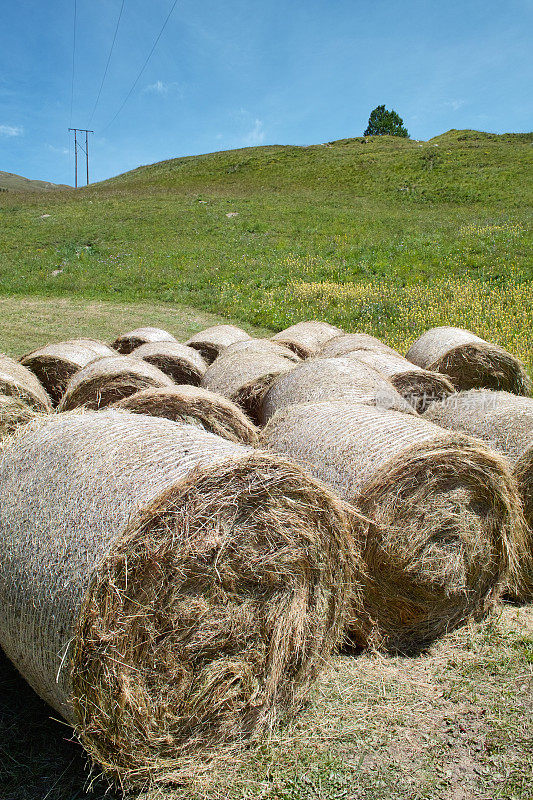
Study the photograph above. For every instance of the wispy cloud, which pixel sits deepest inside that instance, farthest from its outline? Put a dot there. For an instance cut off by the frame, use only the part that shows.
(255, 136)
(11, 130)
(455, 105)
(163, 88)
(63, 151)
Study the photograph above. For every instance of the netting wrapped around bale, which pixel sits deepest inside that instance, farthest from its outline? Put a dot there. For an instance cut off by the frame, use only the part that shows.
(505, 422)
(245, 371)
(306, 338)
(13, 412)
(166, 591)
(181, 363)
(109, 379)
(446, 514)
(469, 362)
(418, 386)
(55, 364)
(127, 342)
(348, 342)
(320, 379)
(195, 405)
(18, 381)
(211, 342)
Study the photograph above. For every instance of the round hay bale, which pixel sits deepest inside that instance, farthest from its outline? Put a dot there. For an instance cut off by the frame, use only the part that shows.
(211, 342)
(469, 362)
(320, 379)
(195, 405)
(306, 338)
(18, 381)
(13, 412)
(246, 370)
(348, 342)
(98, 347)
(166, 591)
(445, 510)
(106, 380)
(418, 386)
(505, 422)
(55, 364)
(181, 363)
(127, 342)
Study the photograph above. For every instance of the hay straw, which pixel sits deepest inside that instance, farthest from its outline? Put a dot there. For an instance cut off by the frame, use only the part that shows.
(211, 342)
(307, 338)
(18, 381)
(166, 591)
(321, 379)
(55, 364)
(13, 412)
(469, 362)
(418, 386)
(106, 380)
(197, 406)
(342, 345)
(445, 509)
(505, 422)
(181, 363)
(98, 347)
(127, 342)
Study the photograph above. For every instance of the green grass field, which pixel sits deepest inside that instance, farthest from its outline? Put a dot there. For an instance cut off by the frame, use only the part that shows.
(388, 236)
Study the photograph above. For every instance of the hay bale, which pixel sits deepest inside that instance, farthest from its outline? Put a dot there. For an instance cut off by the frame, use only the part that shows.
(127, 342)
(348, 342)
(320, 379)
(445, 509)
(505, 422)
(469, 362)
(245, 371)
(18, 381)
(13, 412)
(166, 591)
(211, 342)
(106, 380)
(55, 364)
(98, 347)
(181, 363)
(418, 386)
(197, 406)
(307, 338)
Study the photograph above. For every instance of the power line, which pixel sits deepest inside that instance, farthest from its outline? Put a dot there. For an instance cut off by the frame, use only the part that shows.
(73, 60)
(136, 81)
(108, 60)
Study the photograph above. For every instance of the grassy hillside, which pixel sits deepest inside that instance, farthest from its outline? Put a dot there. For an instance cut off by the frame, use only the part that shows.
(382, 234)
(16, 183)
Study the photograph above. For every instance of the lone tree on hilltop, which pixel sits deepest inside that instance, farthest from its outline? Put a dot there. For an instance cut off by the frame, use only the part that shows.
(383, 122)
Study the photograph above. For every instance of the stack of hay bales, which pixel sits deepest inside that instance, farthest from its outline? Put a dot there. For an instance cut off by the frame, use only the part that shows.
(181, 363)
(320, 379)
(505, 422)
(166, 591)
(195, 405)
(127, 342)
(108, 379)
(211, 342)
(245, 370)
(447, 518)
(307, 338)
(469, 362)
(18, 381)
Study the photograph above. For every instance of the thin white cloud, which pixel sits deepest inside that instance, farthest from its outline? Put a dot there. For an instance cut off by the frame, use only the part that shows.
(455, 105)
(255, 136)
(162, 88)
(61, 150)
(11, 130)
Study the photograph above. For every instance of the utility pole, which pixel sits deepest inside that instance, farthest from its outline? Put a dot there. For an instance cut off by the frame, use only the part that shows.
(86, 151)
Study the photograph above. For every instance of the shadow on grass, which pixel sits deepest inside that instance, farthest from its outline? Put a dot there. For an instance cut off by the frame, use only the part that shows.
(39, 758)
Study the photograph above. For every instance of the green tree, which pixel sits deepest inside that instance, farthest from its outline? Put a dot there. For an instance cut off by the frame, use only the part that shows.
(383, 122)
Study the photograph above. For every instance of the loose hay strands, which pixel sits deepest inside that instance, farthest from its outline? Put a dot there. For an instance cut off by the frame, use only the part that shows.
(181, 363)
(306, 338)
(342, 345)
(418, 386)
(166, 591)
(197, 406)
(13, 412)
(18, 381)
(127, 342)
(108, 379)
(245, 371)
(55, 364)
(445, 508)
(211, 342)
(505, 422)
(321, 379)
(469, 362)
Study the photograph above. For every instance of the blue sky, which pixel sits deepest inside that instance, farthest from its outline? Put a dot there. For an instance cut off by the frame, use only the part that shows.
(248, 72)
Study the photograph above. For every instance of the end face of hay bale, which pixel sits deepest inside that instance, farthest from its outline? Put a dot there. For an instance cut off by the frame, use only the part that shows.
(212, 341)
(13, 413)
(55, 364)
(350, 342)
(127, 342)
(17, 380)
(183, 364)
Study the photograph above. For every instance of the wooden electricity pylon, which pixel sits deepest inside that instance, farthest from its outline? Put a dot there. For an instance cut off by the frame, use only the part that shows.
(86, 151)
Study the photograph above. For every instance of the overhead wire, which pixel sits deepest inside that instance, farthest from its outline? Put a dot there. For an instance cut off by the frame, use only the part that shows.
(108, 61)
(136, 81)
